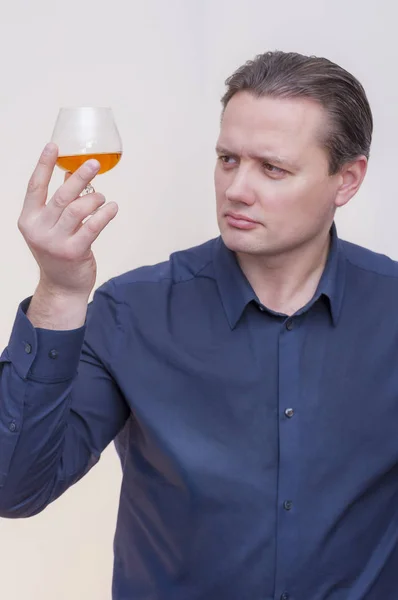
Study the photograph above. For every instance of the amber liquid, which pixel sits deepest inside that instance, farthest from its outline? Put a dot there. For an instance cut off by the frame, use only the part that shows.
(106, 160)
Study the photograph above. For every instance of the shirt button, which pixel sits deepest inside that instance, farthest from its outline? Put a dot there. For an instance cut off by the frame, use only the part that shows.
(289, 412)
(289, 324)
(12, 427)
(28, 348)
(288, 505)
(261, 307)
(285, 596)
(53, 354)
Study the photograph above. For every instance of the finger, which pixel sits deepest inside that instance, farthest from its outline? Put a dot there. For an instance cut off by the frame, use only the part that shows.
(67, 175)
(91, 229)
(69, 191)
(78, 210)
(36, 194)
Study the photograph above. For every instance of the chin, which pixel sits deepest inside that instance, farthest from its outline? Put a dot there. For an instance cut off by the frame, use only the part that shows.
(243, 242)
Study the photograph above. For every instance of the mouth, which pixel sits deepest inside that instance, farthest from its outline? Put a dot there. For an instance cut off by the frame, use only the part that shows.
(238, 221)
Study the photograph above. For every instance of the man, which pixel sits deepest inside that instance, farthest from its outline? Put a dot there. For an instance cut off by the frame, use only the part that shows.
(251, 383)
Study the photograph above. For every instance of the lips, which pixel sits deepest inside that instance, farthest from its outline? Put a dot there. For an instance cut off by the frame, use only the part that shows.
(238, 221)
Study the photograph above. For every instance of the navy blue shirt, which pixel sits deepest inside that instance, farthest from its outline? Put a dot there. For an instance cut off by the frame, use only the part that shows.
(259, 452)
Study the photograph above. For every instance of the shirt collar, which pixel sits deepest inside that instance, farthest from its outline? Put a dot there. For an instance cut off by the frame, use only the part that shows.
(236, 292)
(332, 282)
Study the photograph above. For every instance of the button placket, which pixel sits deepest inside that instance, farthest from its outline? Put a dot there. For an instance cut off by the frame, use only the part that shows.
(289, 324)
(290, 351)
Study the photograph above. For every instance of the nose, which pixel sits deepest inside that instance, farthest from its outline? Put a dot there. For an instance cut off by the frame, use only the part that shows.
(240, 190)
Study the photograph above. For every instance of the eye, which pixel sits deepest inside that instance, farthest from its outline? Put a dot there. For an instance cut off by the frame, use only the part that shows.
(226, 160)
(272, 170)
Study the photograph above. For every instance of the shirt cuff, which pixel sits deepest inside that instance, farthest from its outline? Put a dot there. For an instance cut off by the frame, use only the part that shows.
(43, 354)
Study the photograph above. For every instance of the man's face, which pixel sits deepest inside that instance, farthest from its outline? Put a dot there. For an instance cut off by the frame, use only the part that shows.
(272, 169)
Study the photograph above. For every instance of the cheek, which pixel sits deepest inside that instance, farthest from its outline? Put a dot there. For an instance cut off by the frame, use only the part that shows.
(221, 184)
(317, 194)
(304, 195)
(277, 196)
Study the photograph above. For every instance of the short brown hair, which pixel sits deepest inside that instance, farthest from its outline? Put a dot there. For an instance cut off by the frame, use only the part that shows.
(289, 75)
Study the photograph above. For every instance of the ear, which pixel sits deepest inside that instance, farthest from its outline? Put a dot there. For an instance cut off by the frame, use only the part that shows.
(351, 176)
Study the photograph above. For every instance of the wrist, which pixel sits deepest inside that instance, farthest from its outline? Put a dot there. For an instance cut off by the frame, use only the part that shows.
(56, 309)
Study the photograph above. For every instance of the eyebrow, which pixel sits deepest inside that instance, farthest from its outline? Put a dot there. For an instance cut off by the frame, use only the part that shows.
(266, 157)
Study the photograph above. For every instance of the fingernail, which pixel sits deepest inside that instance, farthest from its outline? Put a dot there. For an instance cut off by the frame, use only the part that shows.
(93, 164)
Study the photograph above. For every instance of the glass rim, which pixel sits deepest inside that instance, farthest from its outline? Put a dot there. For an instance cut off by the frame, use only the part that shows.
(85, 108)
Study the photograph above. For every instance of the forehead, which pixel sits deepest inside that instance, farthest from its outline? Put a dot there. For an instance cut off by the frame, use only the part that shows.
(289, 126)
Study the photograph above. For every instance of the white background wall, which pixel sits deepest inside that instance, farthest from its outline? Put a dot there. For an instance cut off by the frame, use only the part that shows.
(161, 66)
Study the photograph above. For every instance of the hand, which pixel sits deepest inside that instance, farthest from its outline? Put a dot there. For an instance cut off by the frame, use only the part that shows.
(55, 232)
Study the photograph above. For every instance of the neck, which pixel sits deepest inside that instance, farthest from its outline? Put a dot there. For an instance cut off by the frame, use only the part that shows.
(285, 283)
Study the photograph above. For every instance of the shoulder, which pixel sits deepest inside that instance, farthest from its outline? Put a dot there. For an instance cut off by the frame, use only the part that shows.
(181, 266)
(369, 261)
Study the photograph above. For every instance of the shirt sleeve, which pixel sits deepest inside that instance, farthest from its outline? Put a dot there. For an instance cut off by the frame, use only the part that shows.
(60, 405)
